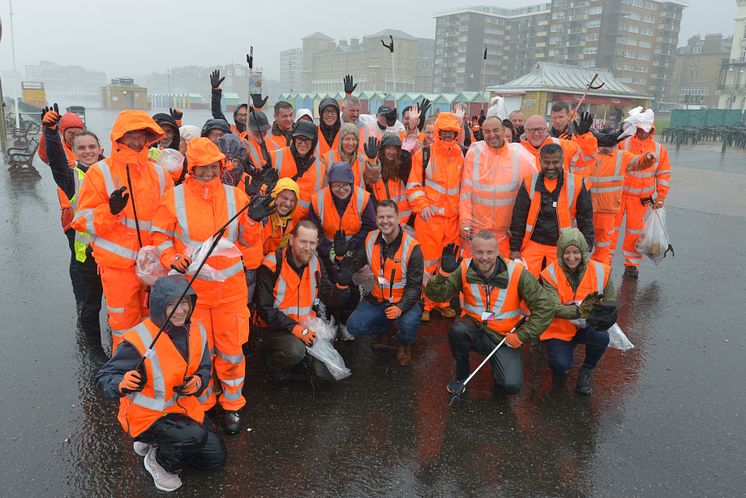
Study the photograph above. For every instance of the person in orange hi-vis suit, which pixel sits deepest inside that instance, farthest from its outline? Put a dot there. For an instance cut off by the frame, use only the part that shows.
(607, 181)
(188, 216)
(648, 186)
(493, 172)
(433, 192)
(116, 204)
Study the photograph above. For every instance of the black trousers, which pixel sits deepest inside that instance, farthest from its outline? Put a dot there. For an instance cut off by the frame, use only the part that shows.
(184, 443)
(465, 336)
(88, 292)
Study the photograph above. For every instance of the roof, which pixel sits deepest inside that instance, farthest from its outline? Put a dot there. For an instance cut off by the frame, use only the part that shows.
(318, 36)
(401, 35)
(566, 79)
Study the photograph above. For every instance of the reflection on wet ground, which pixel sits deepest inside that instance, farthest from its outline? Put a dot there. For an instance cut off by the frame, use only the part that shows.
(665, 418)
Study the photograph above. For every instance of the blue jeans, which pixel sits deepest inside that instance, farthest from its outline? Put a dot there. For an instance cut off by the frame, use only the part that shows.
(560, 353)
(370, 319)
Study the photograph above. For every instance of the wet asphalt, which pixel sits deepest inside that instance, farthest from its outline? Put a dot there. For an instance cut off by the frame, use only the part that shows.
(665, 419)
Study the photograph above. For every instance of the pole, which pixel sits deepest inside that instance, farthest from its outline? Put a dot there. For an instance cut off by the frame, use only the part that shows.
(3, 135)
(15, 74)
(484, 71)
(393, 77)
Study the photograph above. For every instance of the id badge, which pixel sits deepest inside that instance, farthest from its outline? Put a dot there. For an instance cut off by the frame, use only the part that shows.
(487, 316)
(316, 301)
(382, 281)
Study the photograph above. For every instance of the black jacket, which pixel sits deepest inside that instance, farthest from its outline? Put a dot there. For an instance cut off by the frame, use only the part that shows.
(329, 293)
(217, 113)
(546, 228)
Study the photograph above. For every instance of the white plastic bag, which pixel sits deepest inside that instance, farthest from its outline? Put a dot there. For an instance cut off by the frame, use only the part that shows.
(171, 160)
(654, 241)
(198, 253)
(322, 348)
(148, 267)
(364, 278)
(618, 340)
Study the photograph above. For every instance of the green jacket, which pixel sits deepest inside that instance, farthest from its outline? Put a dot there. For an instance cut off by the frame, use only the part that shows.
(573, 237)
(441, 288)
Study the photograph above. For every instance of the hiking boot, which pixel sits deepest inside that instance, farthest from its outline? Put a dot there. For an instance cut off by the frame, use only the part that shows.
(404, 355)
(380, 342)
(447, 312)
(455, 385)
(425, 316)
(165, 481)
(98, 357)
(631, 271)
(232, 422)
(141, 449)
(585, 381)
(344, 334)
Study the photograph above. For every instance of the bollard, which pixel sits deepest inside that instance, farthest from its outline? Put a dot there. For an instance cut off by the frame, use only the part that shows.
(3, 133)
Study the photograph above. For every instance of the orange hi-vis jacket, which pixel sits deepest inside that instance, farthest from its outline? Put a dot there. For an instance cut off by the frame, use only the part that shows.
(607, 179)
(594, 279)
(278, 141)
(489, 183)
(389, 275)
(503, 305)
(295, 296)
(393, 189)
(323, 147)
(309, 183)
(438, 185)
(570, 152)
(351, 219)
(655, 179)
(566, 203)
(275, 235)
(357, 165)
(255, 150)
(164, 370)
(587, 152)
(114, 238)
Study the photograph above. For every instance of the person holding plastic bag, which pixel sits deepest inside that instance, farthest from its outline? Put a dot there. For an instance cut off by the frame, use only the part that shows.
(290, 284)
(190, 215)
(654, 241)
(575, 285)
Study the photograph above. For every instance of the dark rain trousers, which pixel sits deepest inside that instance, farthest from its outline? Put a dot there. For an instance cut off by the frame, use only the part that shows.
(88, 292)
(560, 353)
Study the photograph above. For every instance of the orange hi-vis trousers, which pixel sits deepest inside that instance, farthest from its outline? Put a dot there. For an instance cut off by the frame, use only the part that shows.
(605, 229)
(126, 299)
(634, 210)
(433, 236)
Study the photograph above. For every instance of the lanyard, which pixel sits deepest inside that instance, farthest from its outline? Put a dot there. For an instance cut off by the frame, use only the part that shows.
(488, 294)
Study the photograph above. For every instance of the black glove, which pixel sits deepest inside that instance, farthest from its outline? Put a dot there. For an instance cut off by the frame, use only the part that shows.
(349, 86)
(252, 187)
(270, 178)
(424, 107)
(344, 274)
(340, 243)
(603, 315)
(391, 117)
(250, 58)
(519, 130)
(583, 125)
(176, 114)
(215, 79)
(260, 207)
(50, 116)
(371, 148)
(256, 100)
(450, 259)
(118, 200)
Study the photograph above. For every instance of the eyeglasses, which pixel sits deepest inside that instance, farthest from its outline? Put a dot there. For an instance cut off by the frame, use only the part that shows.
(340, 186)
(536, 130)
(303, 140)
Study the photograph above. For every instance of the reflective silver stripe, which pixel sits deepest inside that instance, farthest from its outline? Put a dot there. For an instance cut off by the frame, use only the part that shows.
(167, 233)
(158, 402)
(599, 276)
(415, 195)
(118, 333)
(87, 215)
(231, 396)
(161, 179)
(532, 188)
(278, 159)
(130, 223)
(407, 242)
(320, 205)
(437, 188)
(110, 309)
(638, 191)
(205, 396)
(113, 248)
(360, 200)
(103, 166)
(181, 215)
(506, 187)
(370, 244)
(232, 382)
(663, 182)
(431, 262)
(234, 359)
(570, 192)
(230, 271)
(603, 244)
(405, 214)
(475, 174)
(203, 335)
(553, 274)
(230, 199)
(313, 268)
(490, 202)
(642, 173)
(628, 144)
(477, 310)
(606, 189)
(304, 203)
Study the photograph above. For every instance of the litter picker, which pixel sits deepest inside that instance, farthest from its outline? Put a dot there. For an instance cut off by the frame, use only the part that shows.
(390, 46)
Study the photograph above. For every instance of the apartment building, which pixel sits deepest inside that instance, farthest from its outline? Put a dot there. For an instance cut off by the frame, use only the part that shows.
(698, 68)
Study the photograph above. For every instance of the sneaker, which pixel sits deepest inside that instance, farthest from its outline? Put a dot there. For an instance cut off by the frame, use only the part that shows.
(456, 386)
(404, 355)
(585, 381)
(631, 271)
(447, 312)
(344, 334)
(141, 449)
(232, 422)
(165, 481)
(425, 316)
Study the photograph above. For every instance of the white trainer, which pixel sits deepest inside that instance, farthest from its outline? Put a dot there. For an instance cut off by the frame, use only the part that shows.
(141, 448)
(165, 481)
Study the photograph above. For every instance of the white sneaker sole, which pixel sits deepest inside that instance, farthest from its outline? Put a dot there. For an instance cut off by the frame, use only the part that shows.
(140, 452)
(150, 471)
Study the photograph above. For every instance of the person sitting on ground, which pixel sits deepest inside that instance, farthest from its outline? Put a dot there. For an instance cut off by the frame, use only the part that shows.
(158, 404)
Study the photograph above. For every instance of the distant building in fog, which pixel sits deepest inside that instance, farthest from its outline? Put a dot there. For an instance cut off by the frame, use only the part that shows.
(70, 84)
(291, 65)
(122, 93)
(697, 69)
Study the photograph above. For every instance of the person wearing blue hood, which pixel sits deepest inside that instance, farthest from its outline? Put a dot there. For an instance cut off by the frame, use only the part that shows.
(158, 404)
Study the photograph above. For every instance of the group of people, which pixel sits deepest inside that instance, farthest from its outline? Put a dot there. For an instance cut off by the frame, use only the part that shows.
(378, 221)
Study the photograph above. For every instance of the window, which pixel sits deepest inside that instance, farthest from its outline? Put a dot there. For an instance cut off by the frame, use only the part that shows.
(697, 49)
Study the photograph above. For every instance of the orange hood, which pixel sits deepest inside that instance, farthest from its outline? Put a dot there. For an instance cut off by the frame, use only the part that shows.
(201, 152)
(446, 121)
(136, 120)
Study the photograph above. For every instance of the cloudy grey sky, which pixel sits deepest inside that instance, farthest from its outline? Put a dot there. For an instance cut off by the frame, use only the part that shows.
(138, 36)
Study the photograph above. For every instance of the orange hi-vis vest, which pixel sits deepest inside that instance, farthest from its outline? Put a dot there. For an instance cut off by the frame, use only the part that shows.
(295, 296)
(275, 235)
(393, 189)
(165, 369)
(653, 179)
(255, 151)
(594, 279)
(389, 275)
(587, 152)
(607, 181)
(309, 183)
(566, 203)
(351, 219)
(323, 147)
(570, 152)
(358, 166)
(502, 305)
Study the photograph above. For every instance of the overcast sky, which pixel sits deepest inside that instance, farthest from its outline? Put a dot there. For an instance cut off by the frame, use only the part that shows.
(139, 37)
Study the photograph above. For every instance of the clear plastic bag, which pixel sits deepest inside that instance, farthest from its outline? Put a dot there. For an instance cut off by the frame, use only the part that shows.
(322, 348)
(148, 267)
(618, 340)
(171, 160)
(364, 278)
(198, 252)
(654, 241)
